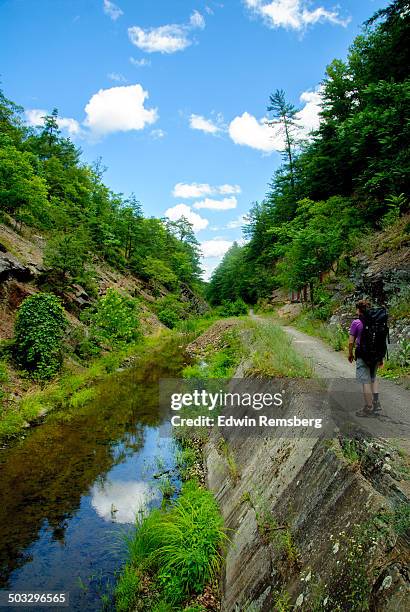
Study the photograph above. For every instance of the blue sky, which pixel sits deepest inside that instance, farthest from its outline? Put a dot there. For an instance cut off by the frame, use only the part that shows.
(172, 94)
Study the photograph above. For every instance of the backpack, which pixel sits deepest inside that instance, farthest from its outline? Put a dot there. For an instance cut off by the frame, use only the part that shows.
(373, 342)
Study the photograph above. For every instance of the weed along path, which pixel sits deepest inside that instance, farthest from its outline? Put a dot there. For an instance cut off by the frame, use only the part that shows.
(75, 484)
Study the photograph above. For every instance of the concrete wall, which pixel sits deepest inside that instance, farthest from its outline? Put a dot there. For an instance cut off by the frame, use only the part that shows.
(291, 506)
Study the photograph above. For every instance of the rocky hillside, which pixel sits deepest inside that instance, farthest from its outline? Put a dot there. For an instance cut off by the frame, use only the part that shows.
(22, 273)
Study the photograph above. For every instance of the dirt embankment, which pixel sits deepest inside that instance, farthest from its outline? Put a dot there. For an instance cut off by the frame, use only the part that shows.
(213, 338)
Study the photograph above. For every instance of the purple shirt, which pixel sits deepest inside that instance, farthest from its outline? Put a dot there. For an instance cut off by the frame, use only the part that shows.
(356, 330)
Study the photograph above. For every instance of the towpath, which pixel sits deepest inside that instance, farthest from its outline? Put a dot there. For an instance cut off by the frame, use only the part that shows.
(392, 422)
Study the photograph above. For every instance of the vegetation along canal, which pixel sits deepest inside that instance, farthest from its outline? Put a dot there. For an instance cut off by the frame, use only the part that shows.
(75, 484)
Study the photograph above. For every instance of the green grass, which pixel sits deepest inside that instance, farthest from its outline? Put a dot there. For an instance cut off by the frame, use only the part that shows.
(4, 379)
(400, 519)
(127, 589)
(186, 458)
(282, 602)
(196, 325)
(351, 451)
(220, 363)
(82, 397)
(179, 548)
(271, 353)
(166, 487)
(230, 460)
(334, 335)
(399, 304)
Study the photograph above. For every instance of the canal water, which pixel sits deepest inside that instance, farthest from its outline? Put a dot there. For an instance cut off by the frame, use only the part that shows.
(70, 491)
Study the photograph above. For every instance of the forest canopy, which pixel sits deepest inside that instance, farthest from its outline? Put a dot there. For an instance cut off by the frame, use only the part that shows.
(349, 177)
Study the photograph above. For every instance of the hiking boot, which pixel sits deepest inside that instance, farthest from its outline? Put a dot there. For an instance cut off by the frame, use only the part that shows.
(376, 406)
(366, 412)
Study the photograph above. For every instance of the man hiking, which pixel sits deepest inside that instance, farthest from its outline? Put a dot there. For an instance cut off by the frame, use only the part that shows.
(368, 334)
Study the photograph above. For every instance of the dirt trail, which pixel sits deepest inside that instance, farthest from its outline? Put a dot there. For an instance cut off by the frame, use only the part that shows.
(392, 422)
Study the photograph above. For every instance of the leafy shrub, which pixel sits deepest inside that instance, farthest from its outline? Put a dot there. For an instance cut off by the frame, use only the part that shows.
(114, 321)
(399, 304)
(3, 379)
(401, 356)
(82, 344)
(39, 330)
(233, 309)
(395, 204)
(170, 310)
(323, 304)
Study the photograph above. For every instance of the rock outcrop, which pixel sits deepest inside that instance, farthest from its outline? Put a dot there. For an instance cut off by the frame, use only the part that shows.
(10, 267)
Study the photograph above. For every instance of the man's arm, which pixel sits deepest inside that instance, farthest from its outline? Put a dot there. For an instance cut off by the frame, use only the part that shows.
(352, 342)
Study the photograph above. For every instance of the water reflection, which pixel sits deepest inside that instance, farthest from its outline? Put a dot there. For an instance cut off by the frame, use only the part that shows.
(120, 502)
(65, 487)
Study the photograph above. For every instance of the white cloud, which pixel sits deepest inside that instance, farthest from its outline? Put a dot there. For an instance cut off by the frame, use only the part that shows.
(157, 134)
(117, 77)
(309, 115)
(192, 190)
(167, 38)
(140, 63)
(229, 189)
(35, 117)
(112, 10)
(236, 223)
(224, 204)
(199, 190)
(216, 247)
(248, 131)
(293, 14)
(119, 109)
(182, 210)
(197, 122)
(197, 21)
(71, 125)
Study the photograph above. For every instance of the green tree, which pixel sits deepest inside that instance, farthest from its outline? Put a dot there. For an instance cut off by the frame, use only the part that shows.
(38, 332)
(159, 273)
(22, 192)
(66, 255)
(284, 116)
(115, 319)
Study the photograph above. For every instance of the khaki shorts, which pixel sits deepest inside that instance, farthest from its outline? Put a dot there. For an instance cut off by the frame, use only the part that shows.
(364, 373)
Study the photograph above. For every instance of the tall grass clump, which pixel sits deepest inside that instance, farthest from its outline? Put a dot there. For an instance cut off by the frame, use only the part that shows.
(179, 549)
(272, 353)
(334, 335)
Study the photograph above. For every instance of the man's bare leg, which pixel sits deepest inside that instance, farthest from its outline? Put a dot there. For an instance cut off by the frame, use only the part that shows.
(368, 395)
